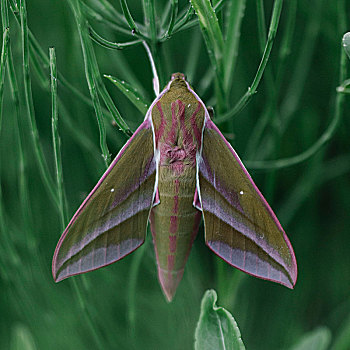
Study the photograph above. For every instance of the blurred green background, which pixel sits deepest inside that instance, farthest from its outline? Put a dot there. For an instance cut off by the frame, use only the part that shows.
(296, 104)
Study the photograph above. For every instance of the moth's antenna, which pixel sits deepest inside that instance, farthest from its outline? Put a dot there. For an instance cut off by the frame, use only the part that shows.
(154, 70)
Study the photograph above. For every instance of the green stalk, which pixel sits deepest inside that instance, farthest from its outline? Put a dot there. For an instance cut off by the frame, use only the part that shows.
(215, 47)
(43, 58)
(90, 78)
(108, 44)
(276, 13)
(267, 124)
(303, 63)
(324, 138)
(156, 78)
(233, 34)
(56, 139)
(39, 155)
(174, 10)
(286, 42)
(6, 245)
(154, 45)
(106, 19)
(110, 12)
(22, 179)
(131, 93)
(132, 25)
(183, 19)
(150, 19)
(89, 319)
(3, 59)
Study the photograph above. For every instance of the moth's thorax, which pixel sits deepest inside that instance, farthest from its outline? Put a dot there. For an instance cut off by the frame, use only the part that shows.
(178, 119)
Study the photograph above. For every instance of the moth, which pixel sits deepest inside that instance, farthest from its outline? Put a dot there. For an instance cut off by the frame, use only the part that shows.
(176, 168)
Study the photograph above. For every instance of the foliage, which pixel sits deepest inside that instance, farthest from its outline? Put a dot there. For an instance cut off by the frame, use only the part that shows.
(216, 328)
(270, 70)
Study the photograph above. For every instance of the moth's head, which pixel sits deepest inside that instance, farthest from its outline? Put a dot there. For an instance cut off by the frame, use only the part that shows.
(178, 76)
(178, 80)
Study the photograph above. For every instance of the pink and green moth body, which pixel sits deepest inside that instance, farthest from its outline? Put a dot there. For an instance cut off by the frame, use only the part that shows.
(176, 168)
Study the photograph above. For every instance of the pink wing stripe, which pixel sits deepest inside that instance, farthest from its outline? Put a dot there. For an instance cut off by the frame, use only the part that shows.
(159, 132)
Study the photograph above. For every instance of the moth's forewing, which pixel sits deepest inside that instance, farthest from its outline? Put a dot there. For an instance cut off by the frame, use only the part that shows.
(240, 226)
(178, 162)
(112, 220)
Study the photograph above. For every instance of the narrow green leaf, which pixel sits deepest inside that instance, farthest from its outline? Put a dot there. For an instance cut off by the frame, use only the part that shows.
(211, 32)
(286, 42)
(106, 18)
(318, 339)
(90, 73)
(3, 59)
(56, 138)
(131, 93)
(132, 25)
(216, 328)
(174, 10)
(108, 44)
(150, 19)
(108, 10)
(36, 50)
(233, 34)
(215, 47)
(183, 19)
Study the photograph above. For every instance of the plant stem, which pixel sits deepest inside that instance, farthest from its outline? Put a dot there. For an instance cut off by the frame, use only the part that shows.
(276, 13)
(43, 169)
(324, 138)
(56, 138)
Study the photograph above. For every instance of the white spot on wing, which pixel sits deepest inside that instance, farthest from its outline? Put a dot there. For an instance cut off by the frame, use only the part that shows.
(112, 189)
(241, 192)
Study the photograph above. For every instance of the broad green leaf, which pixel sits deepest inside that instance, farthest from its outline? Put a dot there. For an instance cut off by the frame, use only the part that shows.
(318, 339)
(22, 338)
(216, 328)
(131, 93)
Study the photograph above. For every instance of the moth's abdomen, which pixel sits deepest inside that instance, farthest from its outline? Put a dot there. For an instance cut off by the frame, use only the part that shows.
(174, 225)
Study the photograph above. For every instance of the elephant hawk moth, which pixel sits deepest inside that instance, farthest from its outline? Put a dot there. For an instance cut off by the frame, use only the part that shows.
(176, 168)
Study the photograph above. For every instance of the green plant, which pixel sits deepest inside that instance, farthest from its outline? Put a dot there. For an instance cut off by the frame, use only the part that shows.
(289, 58)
